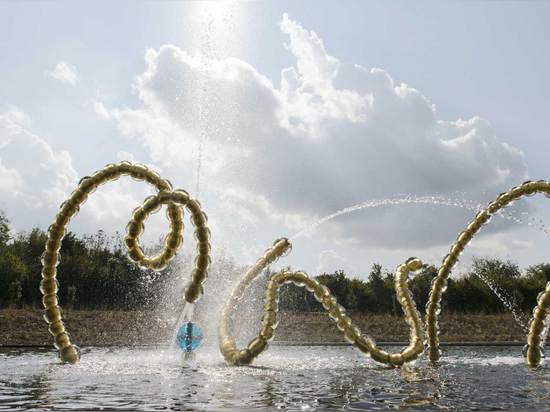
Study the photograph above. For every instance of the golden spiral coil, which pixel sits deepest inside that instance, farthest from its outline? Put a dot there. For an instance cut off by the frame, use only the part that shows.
(352, 334)
(336, 312)
(177, 200)
(439, 285)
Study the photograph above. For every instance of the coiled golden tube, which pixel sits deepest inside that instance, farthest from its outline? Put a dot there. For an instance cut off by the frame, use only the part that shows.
(235, 356)
(439, 284)
(174, 200)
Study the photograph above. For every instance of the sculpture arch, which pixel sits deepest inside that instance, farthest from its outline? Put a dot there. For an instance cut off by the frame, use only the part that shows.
(175, 200)
(178, 200)
(344, 323)
(439, 285)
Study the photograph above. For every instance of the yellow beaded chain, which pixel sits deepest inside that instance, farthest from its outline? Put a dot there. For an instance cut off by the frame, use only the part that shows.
(439, 284)
(337, 313)
(233, 355)
(177, 199)
(174, 200)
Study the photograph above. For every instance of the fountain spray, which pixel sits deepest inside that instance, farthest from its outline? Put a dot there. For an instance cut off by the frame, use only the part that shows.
(189, 336)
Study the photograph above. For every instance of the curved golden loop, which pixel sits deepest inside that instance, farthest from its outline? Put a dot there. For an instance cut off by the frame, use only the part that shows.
(179, 199)
(235, 356)
(439, 284)
(174, 200)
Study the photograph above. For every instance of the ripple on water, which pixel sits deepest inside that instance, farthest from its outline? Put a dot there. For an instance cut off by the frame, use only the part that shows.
(293, 378)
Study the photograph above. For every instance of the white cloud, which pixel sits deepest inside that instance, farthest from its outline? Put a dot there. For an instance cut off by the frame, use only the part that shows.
(17, 116)
(32, 176)
(10, 179)
(65, 72)
(101, 111)
(331, 135)
(500, 244)
(330, 261)
(35, 179)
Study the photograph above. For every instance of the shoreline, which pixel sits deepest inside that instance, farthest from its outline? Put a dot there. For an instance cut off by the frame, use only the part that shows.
(26, 328)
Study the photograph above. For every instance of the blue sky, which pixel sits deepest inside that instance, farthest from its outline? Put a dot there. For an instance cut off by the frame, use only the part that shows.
(469, 59)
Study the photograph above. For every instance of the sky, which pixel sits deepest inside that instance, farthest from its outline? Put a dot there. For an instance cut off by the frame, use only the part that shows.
(276, 114)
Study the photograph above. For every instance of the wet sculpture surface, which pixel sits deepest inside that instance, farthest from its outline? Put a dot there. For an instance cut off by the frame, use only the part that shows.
(178, 200)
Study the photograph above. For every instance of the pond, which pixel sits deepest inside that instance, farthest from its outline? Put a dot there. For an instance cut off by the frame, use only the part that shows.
(286, 377)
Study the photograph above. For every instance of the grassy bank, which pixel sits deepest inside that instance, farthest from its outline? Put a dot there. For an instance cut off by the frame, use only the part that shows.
(91, 327)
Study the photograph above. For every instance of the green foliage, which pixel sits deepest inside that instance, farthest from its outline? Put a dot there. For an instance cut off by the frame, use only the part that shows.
(95, 272)
(4, 230)
(465, 294)
(13, 275)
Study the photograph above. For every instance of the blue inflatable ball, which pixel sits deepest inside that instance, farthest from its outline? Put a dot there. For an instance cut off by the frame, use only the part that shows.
(189, 337)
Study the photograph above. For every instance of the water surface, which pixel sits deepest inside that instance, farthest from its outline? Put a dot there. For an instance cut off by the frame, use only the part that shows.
(291, 378)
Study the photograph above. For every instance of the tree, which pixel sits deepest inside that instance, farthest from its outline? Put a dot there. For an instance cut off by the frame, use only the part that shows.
(382, 290)
(13, 272)
(5, 235)
(496, 269)
(539, 273)
(421, 285)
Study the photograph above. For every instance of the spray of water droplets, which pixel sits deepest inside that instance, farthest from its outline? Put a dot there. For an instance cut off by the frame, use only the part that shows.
(509, 215)
(422, 200)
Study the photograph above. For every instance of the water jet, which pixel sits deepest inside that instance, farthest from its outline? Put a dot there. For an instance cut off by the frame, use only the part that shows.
(188, 335)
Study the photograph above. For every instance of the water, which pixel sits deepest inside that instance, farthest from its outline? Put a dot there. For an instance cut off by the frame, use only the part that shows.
(462, 203)
(292, 378)
(216, 25)
(426, 200)
(508, 303)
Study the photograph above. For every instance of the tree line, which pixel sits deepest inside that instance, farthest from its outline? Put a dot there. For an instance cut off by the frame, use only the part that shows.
(97, 274)
(468, 293)
(95, 271)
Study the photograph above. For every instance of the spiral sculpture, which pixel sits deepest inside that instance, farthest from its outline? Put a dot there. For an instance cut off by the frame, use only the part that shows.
(177, 200)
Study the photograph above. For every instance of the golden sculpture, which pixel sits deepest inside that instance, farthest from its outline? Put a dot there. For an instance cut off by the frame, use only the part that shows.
(439, 285)
(176, 200)
(69, 352)
(337, 313)
(351, 333)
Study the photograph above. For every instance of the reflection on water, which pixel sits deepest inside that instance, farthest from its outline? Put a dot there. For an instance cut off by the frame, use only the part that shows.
(292, 378)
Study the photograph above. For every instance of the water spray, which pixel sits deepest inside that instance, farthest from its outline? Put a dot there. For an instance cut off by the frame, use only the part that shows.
(189, 335)
(175, 200)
